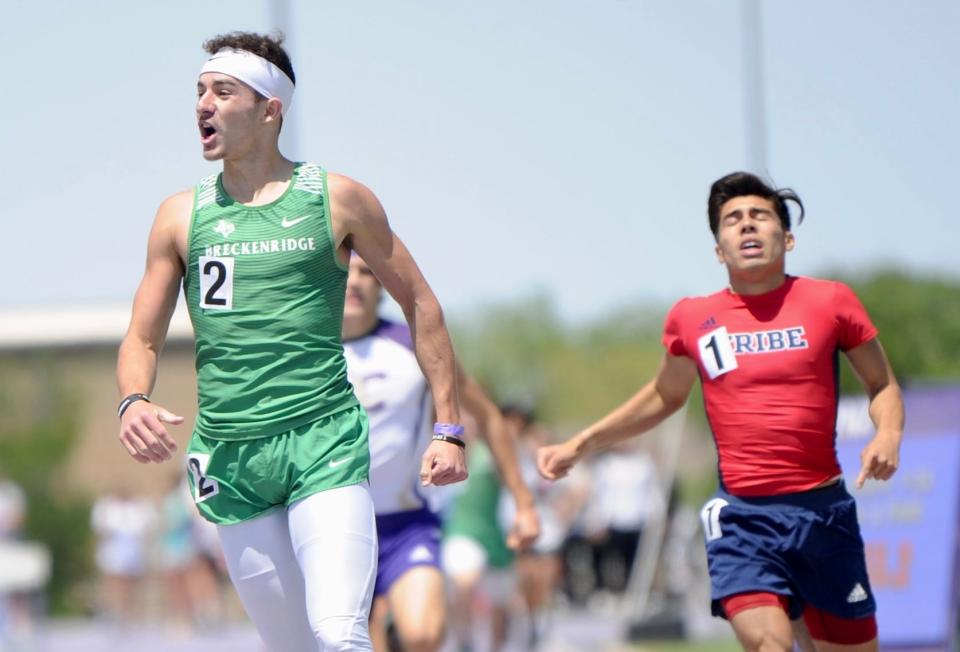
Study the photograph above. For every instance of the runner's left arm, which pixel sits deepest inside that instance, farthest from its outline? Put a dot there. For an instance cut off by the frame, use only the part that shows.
(526, 523)
(881, 457)
(361, 225)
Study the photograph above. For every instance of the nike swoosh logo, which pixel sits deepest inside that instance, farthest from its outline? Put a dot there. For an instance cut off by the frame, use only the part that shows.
(285, 223)
(335, 463)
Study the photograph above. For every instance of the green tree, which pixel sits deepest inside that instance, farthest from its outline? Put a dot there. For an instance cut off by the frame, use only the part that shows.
(919, 321)
(572, 374)
(37, 436)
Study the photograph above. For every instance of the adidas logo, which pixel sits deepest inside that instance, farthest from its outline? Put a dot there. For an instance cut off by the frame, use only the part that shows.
(710, 323)
(858, 594)
(422, 553)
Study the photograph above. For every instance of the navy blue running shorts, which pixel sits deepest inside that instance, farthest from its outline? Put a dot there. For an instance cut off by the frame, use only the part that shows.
(806, 546)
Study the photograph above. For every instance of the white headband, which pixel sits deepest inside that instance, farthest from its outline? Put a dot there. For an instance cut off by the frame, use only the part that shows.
(256, 72)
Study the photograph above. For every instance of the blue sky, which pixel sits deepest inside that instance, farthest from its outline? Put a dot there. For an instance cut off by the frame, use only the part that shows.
(518, 147)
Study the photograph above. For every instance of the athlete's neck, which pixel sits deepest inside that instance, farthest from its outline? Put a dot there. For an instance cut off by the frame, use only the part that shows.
(748, 284)
(257, 179)
(357, 326)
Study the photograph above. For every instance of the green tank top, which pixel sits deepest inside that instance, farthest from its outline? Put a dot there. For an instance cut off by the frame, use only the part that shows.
(265, 292)
(474, 512)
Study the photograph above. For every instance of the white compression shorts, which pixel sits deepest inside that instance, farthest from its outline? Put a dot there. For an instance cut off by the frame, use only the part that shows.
(305, 575)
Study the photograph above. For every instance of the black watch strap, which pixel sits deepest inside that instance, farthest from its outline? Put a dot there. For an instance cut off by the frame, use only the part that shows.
(450, 439)
(129, 400)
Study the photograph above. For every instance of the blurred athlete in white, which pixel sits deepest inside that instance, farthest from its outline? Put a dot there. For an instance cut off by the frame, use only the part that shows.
(395, 394)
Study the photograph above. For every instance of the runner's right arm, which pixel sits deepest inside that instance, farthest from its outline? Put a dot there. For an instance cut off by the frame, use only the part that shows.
(656, 401)
(141, 428)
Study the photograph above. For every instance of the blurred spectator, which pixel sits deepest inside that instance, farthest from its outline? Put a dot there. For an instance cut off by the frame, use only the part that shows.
(179, 552)
(191, 561)
(14, 607)
(208, 579)
(474, 553)
(539, 569)
(24, 571)
(13, 510)
(122, 523)
(626, 496)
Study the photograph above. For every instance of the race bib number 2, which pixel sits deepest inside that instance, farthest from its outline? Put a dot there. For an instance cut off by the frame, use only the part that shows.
(216, 283)
(203, 487)
(716, 354)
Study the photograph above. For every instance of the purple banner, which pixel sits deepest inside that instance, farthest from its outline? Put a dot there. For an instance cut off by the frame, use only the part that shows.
(910, 524)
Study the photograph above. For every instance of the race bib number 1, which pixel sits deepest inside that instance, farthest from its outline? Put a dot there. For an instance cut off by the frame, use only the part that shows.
(716, 354)
(710, 517)
(216, 283)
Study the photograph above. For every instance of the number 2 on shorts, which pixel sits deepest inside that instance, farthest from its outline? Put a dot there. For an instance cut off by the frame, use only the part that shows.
(203, 487)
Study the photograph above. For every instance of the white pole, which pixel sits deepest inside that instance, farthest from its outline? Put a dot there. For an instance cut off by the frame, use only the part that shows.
(755, 114)
(281, 19)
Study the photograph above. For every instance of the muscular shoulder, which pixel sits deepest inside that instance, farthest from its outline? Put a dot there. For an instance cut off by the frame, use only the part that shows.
(176, 208)
(356, 214)
(172, 223)
(182, 200)
(350, 200)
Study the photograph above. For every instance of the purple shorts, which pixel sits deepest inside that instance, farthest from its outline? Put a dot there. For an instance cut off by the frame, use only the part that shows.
(407, 539)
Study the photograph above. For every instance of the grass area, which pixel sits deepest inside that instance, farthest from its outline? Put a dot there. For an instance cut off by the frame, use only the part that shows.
(724, 645)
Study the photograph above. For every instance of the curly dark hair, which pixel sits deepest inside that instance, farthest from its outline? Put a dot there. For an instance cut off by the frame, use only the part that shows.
(268, 47)
(739, 184)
